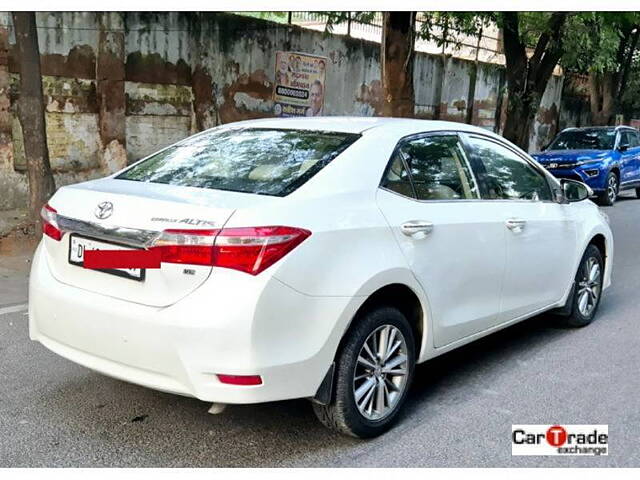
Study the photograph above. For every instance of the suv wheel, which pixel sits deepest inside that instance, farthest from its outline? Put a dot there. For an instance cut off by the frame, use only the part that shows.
(374, 369)
(612, 186)
(587, 290)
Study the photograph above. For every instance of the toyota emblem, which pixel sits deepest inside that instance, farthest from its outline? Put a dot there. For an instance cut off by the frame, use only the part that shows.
(104, 210)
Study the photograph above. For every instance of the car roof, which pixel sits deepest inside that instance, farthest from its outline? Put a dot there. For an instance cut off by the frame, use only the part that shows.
(605, 127)
(359, 125)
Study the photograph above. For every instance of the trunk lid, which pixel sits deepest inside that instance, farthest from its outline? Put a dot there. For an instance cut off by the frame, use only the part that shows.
(137, 213)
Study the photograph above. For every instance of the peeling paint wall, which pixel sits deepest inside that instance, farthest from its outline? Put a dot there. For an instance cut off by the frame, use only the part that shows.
(545, 125)
(575, 108)
(119, 86)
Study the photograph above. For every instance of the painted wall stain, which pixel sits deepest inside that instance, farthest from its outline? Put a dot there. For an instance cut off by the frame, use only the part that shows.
(203, 99)
(256, 86)
(153, 68)
(370, 96)
(79, 63)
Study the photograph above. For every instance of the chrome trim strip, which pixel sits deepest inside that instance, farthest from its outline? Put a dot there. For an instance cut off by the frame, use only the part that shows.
(133, 237)
(467, 200)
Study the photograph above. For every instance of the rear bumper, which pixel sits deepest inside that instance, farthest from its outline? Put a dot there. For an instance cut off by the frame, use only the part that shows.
(232, 324)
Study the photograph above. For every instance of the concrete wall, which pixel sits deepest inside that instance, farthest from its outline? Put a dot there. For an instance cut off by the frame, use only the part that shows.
(119, 86)
(575, 110)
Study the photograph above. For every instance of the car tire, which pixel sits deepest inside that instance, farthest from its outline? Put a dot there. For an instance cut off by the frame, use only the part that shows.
(587, 290)
(612, 188)
(353, 409)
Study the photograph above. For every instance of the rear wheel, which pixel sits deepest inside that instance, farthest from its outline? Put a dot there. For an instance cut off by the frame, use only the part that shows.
(612, 186)
(373, 372)
(587, 290)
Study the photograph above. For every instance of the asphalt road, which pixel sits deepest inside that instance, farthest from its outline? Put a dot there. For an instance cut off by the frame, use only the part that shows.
(460, 412)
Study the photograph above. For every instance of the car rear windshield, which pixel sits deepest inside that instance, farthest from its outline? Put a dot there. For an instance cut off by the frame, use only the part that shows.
(263, 161)
(596, 139)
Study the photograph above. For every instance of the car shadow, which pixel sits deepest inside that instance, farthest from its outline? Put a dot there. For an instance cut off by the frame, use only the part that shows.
(177, 431)
(479, 357)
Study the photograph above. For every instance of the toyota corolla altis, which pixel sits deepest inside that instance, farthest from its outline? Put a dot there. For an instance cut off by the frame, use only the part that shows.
(311, 258)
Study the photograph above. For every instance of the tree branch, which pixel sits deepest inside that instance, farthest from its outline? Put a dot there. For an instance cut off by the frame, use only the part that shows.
(554, 27)
(626, 67)
(549, 55)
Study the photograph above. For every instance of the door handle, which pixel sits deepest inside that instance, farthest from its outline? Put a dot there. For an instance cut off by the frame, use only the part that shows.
(414, 227)
(515, 224)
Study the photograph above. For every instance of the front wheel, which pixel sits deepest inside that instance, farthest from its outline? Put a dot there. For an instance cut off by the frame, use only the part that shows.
(612, 186)
(587, 289)
(374, 369)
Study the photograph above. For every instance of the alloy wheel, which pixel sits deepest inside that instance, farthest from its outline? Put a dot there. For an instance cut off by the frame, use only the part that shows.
(380, 375)
(612, 188)
(589, 287)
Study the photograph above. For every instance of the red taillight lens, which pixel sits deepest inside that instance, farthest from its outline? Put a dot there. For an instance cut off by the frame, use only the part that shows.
(240, 379)
(249, 250)
(194, 247)
(255, 249)
(49, 217)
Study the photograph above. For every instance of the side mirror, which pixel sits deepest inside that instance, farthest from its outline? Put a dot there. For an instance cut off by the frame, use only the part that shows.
(575, 191)
(623, 148)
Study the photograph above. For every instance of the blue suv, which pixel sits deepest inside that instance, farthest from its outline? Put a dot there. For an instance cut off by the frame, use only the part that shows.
(605, 158)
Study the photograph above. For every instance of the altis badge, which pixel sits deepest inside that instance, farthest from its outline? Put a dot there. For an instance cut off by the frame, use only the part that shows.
(187, 221)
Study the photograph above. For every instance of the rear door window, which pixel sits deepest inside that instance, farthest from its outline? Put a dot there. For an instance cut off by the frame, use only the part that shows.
(263, 161)
(438, 168)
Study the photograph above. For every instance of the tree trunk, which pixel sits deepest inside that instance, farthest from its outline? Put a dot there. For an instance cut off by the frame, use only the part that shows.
(31, 114)
(397, 56)
(521, 111)
(601, 97)
(527, 77)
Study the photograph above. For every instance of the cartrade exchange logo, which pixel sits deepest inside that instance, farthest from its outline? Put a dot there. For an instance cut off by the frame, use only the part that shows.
(560, 440)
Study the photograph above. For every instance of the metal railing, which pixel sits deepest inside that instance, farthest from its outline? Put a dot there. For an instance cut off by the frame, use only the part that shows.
(486, 46)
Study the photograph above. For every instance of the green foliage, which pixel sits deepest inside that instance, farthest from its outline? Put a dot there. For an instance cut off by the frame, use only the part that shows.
(630, 101)
(280, 17)
(449, 27)
(593, 40)
(336, 18)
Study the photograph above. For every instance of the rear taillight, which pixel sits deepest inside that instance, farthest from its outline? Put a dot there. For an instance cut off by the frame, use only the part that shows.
(50, 227)
(254, 249)
(194, 247)
(250, 249)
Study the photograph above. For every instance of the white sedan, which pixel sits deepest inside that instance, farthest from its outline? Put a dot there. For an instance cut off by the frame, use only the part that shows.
(315, 258)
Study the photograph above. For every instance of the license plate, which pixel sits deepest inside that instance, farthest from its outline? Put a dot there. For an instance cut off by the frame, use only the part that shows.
(78, 245)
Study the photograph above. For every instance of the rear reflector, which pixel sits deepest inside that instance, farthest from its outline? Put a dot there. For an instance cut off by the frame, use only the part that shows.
(249, 249)
(49, 217)
(240, 379)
